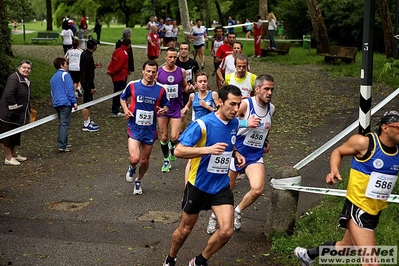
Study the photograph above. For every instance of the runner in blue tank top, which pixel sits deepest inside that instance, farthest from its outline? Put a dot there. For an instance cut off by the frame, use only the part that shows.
(209, 142)
(252, 144)
(203, 102)
(147, 99)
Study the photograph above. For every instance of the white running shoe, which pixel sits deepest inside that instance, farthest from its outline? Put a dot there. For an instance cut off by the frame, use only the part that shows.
(137, 188)
(129, 174)
(212, 225)
(237, 221)
(302, 255)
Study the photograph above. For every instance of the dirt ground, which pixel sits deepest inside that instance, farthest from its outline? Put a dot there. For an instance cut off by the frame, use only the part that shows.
(104, 224)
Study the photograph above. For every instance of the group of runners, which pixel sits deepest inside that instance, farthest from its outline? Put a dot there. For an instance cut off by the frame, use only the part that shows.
(228, 133)
(229, 136)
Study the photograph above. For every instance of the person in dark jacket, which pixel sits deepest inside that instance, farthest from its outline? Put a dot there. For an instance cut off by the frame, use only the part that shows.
(118, 70)
(97, 29)
(87, 68)
(127, 34)
(63, 97)
(15, 110)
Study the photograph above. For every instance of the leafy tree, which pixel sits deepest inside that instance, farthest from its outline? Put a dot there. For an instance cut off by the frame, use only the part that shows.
(293, 13)
(9, 9)
(240, 10)
(75, 9)
(343, 20)
(125, 11)
(5, 47)
(18, 9)
(38, 10)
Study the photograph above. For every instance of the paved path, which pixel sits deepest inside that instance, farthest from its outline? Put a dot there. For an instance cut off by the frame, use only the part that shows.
(102, 223)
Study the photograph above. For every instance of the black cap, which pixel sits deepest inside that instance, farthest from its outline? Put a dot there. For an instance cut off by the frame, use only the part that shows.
(389, 117)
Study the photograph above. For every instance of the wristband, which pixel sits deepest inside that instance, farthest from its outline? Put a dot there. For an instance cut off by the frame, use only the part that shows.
(243, 123)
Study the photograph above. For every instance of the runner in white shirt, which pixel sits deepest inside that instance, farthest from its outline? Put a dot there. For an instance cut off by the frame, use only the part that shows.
(167, 28)
(66, 36)
(199, 35)
(227, 66)
(73, 57)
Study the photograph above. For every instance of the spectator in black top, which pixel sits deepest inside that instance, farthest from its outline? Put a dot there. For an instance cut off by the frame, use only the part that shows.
(97, 29)
(87, 67)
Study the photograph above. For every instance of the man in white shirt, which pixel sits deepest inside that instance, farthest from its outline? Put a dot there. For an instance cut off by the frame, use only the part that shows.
(67, 36)
(199, 35)
(227, 66)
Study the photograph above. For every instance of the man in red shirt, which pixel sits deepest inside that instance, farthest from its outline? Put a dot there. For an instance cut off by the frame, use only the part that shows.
(258, 28)
(83, 23)
(153, 44)
(224, 50)
(118, 69)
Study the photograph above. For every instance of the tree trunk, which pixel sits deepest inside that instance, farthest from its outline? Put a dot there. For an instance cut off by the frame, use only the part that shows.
(208, 23)
(219, 11)
(320, 30)
(387, 28)
(185, 19)
(263, 10)
(49, 15)
(127, 16)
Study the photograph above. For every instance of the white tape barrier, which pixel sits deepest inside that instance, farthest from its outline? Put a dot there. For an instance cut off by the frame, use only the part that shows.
(227, 27)
(277, 40)
(133, 46)
(54, 116)
(293, 183)
(342, 134)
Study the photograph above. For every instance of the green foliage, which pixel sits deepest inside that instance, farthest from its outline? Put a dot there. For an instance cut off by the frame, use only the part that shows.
(6, 69)
(342, 18)
(293, 14)
(240, 10)
(343, 27)
(75, 9)
(391, 67)
(18, 9)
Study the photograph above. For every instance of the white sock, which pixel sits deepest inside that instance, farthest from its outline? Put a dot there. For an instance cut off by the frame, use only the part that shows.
(86, 123)
(213, 215)
(237, 210)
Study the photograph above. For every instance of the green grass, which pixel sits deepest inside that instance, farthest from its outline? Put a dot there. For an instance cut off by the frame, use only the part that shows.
(40, 78)
(321, 226)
